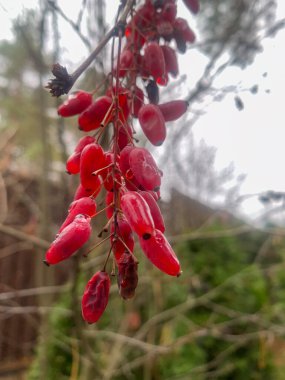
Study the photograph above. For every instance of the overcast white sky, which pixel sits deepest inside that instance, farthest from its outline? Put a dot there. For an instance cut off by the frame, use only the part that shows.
(253, 138)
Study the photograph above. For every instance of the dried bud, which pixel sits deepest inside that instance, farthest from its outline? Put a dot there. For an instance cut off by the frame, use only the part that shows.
(62, 82)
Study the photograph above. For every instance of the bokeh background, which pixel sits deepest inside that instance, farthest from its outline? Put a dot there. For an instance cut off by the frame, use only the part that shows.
(222, 198)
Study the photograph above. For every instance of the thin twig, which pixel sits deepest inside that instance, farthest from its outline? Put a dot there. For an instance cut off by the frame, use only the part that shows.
(38, 242)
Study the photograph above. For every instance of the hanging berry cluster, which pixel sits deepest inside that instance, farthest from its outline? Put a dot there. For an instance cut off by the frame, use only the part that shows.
(128, 173)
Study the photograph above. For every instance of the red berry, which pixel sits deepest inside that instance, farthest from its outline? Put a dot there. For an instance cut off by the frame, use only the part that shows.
(98, 112)
(81, 192)
(127, 275)
(71, 238)
(124, 233)
(126, 62)
(73, 162)
(154, 60)
(124, 163)
(95, 297)
(168, 12)
(109, 199)
(137, 213)
(92, 159)
(85, 206)
(192, 5)
(159, 252)
(83, 142)
(182, 30)
(125, 135)
(173, 110)
(152, 123)
(171, 63)
(154, 209)
(76, 103)
(145, 169)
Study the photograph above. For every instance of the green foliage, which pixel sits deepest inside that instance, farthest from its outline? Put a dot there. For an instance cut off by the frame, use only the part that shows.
(57, 351)
(234, 292)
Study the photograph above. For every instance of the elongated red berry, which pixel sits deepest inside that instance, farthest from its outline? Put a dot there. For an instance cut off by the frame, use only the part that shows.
(75, 104)
(125, 135)
(95, 297)
(124, 163)
(73, 162)
(92, 159)
(173, 110)
(154, 209)
(73, 237)
(171, 63)
(85, 206)
(158, 250)
(152, 123)
(183, 30)
(154, 60)
(145, 169)
(127, 275)
(137, 213)
(83, 142)
(192, 5)
(123, 239)
(126, 62)
(98, 112)
(81, 192)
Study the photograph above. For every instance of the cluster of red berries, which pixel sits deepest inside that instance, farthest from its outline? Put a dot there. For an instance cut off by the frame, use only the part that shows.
(129, 174)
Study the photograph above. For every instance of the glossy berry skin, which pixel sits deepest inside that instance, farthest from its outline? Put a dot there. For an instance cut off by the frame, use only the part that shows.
(159, 252)
(192, 5)
(71, 238)
(92, 159)
(85, 206)
(127, 277)
(145, 169)
(173, 110)
(154, 209)
(125, 233)
(75, 104)
(152, 123)
(73, 162)
(93, 117)
(95, 297)
(137, 213)
(154, 60)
